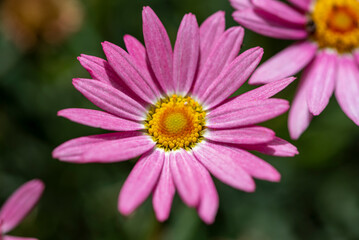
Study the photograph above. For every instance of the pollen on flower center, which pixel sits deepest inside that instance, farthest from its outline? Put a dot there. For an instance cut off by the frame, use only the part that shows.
(336, 24)
(176, 122)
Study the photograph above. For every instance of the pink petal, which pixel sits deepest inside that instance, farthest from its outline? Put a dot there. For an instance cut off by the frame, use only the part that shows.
(347, 87)
(208, 205)
(72, 150)
(118, 150)
(321, 74)
(281, 11)
(186, 53)
(185, 176)
(110, 99)
(164, 192)
(247, 135)
(136, 50)
(286, 63)
(101, 70)
(99, 119)
(20, 203)
(159, 48)
(247, 99)
(264, 92)
(302, 4)
(257, 23)
(233, 116)
(222, 162)
(241, 4)
(210, 32)
(17, 238)
(232, 77)
(256, 167)
(141, 181)
(224, 51)
(277, 147)
(356, 56)
(299, 115)
(125, 66)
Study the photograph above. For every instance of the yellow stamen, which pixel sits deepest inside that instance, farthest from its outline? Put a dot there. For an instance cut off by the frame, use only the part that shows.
(176, 122)
(336, 24)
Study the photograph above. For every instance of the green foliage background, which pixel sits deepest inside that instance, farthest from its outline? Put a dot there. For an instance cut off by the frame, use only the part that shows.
(318, 197)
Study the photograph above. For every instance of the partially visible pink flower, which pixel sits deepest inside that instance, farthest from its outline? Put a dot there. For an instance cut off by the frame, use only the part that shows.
(171, 107)
(18, 206)
(327, 32)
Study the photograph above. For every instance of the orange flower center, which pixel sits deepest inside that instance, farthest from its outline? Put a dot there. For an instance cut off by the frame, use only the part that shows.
(336, 24)
(176, 122)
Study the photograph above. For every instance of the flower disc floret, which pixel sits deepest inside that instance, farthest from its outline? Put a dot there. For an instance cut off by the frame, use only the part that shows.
(176, 122)
(336, 24)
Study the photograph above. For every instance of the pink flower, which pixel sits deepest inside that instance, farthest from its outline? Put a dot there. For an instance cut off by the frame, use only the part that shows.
(18, 206)
(328, 38)
(172, 108)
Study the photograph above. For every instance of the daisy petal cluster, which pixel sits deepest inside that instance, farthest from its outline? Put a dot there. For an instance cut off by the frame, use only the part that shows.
(172, 108)
(327, 34)
(18, 206)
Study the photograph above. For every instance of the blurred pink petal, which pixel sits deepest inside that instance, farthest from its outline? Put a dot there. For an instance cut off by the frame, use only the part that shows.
(231, 78)
(302, 4)
(347, 88)
(164, 192)
(141, 181)
(159, 48)
(299, 115)
(240, 4)
(286, 63)
(19, 204)
(246, 135)
(281, 11)
(321, 80)
(221, 161)
(186, 53)
(110, 99)
(17, 238)
(185, 176)
(99, 119)
(257, 23)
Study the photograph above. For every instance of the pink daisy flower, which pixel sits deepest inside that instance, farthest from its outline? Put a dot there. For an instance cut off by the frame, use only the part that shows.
(327, 49)
(18, 206)
(171, 107)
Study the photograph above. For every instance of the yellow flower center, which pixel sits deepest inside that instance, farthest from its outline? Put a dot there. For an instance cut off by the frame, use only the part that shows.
(176, 122)
(336, 24)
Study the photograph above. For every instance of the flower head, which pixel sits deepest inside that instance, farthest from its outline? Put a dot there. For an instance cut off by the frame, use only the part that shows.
(328, 34)
(171, 107)
(18, 206)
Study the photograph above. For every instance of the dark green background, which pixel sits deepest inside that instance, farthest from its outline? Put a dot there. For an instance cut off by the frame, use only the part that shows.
(318, 196)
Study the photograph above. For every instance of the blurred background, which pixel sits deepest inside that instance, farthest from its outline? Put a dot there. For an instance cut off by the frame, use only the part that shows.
(318, 197)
